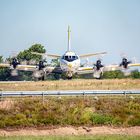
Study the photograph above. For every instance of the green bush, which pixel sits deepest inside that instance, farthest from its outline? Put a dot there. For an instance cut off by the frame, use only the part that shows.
(117, 121)
(135, 74)
(101, 119)
(134, 121)
(113, 74)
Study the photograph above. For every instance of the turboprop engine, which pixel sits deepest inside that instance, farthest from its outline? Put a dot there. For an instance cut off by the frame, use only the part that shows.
(125, 63)
(98, 69)
(39, 73)
(14, 65)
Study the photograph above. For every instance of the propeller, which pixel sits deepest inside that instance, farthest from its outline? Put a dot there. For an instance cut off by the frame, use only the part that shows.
(40, 73)
(125, 63)
(98, 71)
(98, 65)
(41, 65)
(134, 60)
(14, 62)
(87, 63)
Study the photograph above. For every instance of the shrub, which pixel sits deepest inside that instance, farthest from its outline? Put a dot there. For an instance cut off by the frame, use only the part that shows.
(135, 74)
(101, 119)
(134, 122)
(113, 74)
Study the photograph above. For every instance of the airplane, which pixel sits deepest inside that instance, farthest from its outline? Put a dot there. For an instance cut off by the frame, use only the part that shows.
(70, 64)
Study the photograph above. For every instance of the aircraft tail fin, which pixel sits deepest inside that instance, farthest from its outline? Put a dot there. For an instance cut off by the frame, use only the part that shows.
(69, 47)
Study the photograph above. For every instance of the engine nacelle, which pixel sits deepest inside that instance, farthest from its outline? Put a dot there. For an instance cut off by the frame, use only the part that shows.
(14, 72)
(98, 73)
(98, 65)
(14, 63)
(41, 65)
(38, 73)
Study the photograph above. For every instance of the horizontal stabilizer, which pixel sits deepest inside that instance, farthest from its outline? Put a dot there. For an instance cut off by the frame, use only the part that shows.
(93, 54)
(49, 55)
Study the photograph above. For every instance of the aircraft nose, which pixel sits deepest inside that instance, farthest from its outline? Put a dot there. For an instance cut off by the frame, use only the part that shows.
(70, 65)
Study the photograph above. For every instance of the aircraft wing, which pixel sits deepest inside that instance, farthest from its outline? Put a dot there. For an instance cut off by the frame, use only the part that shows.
(117, 67)
(32, 68)
(19, 67)
(49, 55)
(26, 67)
(93, 54)
(112, 67)
(134, 65)
(88, 70)
(50, 69)
(4, 65)
(85, 70)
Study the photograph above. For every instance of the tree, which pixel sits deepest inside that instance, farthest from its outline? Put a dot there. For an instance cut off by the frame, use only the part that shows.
(135, 74)
(4, 74)
(27, 55)
(1, 59)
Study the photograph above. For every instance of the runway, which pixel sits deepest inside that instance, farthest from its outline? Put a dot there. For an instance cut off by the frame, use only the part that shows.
(68, 93)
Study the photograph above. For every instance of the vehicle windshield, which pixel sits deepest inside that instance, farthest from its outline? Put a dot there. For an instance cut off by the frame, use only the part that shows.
(70, 58)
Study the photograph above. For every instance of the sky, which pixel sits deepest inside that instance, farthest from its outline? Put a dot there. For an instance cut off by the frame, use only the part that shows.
(96, 26)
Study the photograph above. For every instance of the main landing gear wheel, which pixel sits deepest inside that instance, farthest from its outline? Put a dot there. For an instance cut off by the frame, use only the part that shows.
(69, 75)
(69, 78)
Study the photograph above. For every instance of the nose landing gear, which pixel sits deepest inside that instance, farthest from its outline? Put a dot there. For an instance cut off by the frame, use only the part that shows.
(69, 75)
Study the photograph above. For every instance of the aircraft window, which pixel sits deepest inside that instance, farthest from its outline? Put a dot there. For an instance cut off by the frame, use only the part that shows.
(73, 57)
(66, 58)
(70, 58)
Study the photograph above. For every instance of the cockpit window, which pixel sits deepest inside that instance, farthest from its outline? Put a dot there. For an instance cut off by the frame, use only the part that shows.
(70, 58)
(66, 57)
(73, 57)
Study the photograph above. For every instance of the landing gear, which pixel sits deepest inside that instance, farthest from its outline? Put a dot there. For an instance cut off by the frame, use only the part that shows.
(69, 78)
(69, 75)
(42, 78)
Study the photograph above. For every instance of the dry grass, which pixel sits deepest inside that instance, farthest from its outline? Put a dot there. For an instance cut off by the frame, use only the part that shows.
(74, 111)
(6, 104)
(77, 84)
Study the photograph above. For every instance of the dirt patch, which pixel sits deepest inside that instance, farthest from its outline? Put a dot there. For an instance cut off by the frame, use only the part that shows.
(6, 104)
(62, 131)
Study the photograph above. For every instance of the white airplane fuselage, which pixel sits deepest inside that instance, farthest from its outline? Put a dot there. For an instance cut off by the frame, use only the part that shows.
(69, 63)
